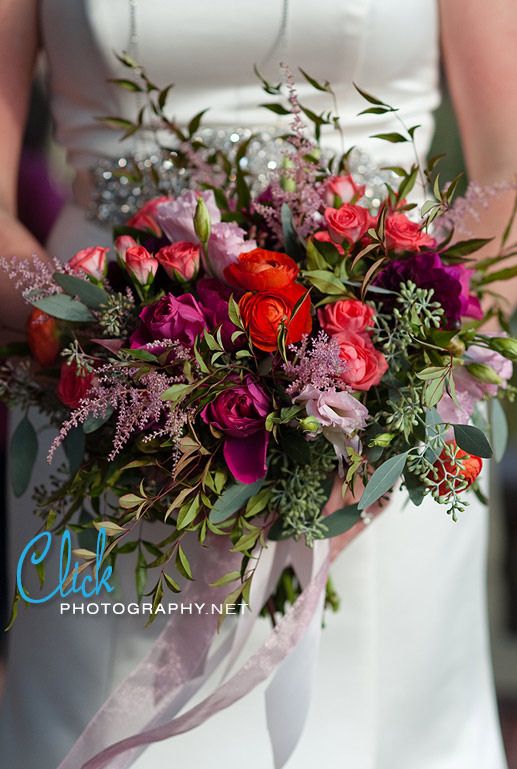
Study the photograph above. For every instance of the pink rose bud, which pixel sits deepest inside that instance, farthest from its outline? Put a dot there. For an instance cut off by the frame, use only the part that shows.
(140, 263)
(345, 188)
(91, 260)
(122, 244)
(180, 260)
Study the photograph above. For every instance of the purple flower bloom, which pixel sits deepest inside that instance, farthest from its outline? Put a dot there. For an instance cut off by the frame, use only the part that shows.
(176, 217)
(178, 318)
(451, 284)
(239, 413)
(213, 297)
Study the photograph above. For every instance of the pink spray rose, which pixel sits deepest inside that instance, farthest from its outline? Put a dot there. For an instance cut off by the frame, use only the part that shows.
(172, 317)
(239, 413)
(346, 315)
(122, 243)
(146, 217)
(349, 222)
(140, 263)
(180, 260)
(343, 187)
(364, 365)
(404, 235)
(91, 260)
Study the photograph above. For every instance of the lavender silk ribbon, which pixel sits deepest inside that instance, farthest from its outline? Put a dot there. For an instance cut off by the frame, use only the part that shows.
(143, 709)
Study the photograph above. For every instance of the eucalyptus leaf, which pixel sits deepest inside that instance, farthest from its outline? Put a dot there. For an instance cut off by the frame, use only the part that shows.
(291, 240)
(233, 499)
(340, 521)
(23, 451)
(472, 440)
(63, 307)
(91, 295)
(383, 479)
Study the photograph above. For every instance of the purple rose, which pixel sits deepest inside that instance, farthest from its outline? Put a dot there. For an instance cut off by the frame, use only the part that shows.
(176, 217)
(224, 246)
(239, 413)
(171, 317)
(213, 297)
(451, 284)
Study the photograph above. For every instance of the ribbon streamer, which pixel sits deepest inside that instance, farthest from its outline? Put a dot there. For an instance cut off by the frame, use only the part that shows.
(182, 659)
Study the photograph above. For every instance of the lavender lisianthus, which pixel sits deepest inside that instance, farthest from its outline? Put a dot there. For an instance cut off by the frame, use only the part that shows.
(340, 415)
(224, 246)
(239, 413)
(176, 217)
(451, 284)
(179, 318)
(470, 390)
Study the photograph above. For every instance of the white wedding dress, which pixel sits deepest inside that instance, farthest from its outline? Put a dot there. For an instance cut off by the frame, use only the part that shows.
(404, 678)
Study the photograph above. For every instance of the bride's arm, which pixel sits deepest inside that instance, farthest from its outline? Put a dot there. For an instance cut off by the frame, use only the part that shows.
(18, 50)
(478, 40)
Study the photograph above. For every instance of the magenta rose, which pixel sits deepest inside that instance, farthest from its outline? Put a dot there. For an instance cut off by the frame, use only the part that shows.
(239, 413)
(213, 298)
(172, 317)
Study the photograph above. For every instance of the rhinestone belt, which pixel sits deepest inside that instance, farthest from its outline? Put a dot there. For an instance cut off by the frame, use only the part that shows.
(116, 188)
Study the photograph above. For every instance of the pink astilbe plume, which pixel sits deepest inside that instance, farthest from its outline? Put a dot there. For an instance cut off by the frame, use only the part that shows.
(34, 277)
(317, 363)
(137, 403)
(306, 199)
(466, 210)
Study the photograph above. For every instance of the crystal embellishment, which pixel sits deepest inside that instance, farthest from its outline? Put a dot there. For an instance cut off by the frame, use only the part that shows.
(119, 187)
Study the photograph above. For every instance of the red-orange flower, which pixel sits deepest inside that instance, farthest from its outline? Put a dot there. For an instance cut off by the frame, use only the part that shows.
(72, 386)
(43, 337)
(264, 312)
(454, 471)
(258, 270)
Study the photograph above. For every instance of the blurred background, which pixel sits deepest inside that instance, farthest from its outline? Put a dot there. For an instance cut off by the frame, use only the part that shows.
(43, 178)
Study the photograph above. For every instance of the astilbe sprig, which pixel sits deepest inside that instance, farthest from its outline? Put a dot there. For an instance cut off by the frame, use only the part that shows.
(136, 401)
(34, 277)
(316, 362)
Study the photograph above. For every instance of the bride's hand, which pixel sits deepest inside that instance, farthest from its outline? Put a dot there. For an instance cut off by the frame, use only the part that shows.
(336, 501)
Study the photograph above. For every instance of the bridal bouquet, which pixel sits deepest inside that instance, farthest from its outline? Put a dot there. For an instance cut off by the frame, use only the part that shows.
(238, 350)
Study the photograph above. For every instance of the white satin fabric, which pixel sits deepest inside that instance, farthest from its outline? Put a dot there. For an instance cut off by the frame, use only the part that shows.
(404, 679)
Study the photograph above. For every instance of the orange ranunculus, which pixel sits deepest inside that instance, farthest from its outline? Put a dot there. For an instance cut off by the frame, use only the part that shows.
(464, 467)
(43, 337)
(264, 312)
(258, 270)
